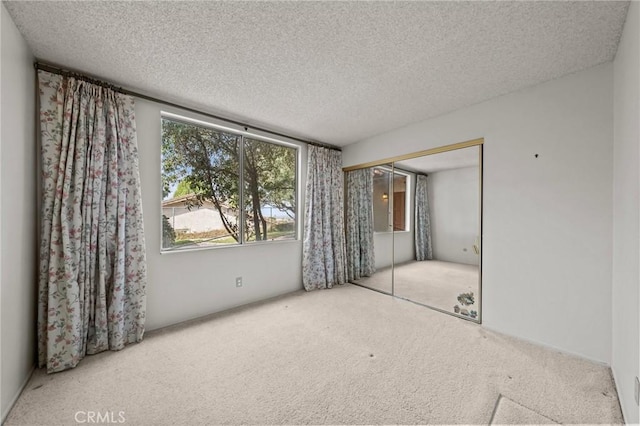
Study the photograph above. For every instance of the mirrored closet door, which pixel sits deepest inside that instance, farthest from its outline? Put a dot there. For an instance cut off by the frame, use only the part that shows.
(417, 222)
(369, 232)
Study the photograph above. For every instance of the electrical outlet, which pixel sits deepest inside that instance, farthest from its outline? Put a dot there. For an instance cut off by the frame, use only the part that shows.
(239, 282)
(637, 391)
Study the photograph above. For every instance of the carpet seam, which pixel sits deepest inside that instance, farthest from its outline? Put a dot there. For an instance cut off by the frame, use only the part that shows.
(528, 408)
(495, 408)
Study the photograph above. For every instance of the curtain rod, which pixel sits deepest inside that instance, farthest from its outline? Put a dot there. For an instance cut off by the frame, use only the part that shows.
(82, 76)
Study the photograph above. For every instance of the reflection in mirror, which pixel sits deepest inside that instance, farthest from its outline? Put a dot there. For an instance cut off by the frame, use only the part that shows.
(369, 227)
(437, 257)
(400, 199)
(381, 213)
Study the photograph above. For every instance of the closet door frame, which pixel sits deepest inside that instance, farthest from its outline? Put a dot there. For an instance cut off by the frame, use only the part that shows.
(445, 148)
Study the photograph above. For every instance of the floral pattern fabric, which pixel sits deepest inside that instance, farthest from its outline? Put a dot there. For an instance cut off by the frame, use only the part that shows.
(92, 280)
(323, 246)
(360, 250)
(424, 251)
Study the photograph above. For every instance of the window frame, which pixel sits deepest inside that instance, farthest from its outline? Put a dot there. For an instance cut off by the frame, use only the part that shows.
(407, 202)
(241, 181)
(407, 199)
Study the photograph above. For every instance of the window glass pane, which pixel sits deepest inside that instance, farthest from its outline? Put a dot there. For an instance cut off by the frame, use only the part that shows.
(200, 186)
(269, 191)
(381, 203)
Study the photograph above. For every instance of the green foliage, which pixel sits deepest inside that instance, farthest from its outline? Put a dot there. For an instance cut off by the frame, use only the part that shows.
(284, 227)
(206, 162)
(168, 234)
(275, 168)
(182, 189)
(269, 177)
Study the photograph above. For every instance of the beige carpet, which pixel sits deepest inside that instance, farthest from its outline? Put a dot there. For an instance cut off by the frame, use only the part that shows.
(509, 412)
(342, 356)
(433, 283)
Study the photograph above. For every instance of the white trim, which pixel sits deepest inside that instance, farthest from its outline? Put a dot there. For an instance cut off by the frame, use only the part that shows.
(182, 118)
(17, 395)
(407, 202)
(548, 346)
(615, 383)
(258, 137)
(230, 245)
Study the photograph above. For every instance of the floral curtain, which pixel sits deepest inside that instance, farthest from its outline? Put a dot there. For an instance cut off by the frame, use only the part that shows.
(360, 253)
(424, 250)
(92, 256)
(323, 248)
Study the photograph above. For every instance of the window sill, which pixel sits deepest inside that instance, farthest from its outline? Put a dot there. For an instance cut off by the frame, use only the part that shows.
(230, 246)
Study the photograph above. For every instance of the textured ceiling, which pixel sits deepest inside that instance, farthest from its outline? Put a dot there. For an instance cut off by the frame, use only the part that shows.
(335, 72)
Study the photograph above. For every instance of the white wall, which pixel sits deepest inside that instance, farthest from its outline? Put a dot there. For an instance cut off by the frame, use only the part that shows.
(547, 220)
(626, 220)
(17, 212)
(188, 284)
(454, 202)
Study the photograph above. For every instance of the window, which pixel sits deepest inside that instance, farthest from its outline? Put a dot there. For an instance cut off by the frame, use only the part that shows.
(224, 188)
(390, 200)
(269, 190)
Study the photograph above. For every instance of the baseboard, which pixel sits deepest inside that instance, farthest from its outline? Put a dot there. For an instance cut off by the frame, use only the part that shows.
(223, 311)
(595, 361)
(548, 346)
(615, 383)
(17, 395)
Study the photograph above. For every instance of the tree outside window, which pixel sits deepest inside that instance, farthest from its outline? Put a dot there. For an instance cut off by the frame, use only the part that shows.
(223, 188)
